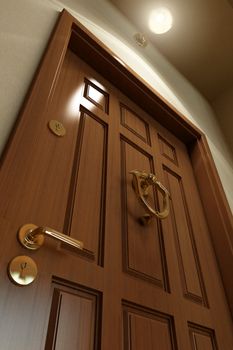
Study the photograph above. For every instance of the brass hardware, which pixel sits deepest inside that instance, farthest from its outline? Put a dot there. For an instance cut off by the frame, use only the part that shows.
(140, 183)
(22, 270)
(140, 39)
(32, 237)
(57, 127)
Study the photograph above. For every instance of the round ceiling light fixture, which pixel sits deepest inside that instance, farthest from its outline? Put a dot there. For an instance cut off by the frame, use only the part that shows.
(160, 20)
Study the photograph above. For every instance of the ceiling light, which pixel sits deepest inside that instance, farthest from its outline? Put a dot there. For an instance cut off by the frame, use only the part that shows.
(160, 20)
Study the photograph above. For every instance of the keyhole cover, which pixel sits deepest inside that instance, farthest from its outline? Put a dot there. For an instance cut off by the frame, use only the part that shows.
(57, 127)
(22, 270)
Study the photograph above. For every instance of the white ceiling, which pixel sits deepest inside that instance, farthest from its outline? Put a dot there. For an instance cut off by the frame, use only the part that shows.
(200, 43)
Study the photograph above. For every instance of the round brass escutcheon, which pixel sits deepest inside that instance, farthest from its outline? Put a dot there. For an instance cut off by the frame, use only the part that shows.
(22, 270)
(57, 127)
(24, 237)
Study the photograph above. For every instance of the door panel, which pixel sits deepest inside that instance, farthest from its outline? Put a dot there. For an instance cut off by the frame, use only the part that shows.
(86, 206)
(144, 329)
(74, 318)
(167, 150)
(134, 286)
(144, 256)
(202, 338)
(134, 123)
(191, 276)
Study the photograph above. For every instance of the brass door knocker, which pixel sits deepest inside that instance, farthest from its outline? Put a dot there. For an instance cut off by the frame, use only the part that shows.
(141, 182)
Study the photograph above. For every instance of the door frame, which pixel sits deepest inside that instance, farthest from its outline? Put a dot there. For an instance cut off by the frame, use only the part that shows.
(68, 32)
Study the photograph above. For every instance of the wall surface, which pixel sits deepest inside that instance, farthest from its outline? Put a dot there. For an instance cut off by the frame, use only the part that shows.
(223, 106)
(25, 27)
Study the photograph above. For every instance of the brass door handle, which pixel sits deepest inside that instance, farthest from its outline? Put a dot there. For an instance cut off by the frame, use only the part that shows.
(141, 182)
(32, 237)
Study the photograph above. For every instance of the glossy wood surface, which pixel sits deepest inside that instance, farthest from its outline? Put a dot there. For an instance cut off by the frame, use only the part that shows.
(158, 284)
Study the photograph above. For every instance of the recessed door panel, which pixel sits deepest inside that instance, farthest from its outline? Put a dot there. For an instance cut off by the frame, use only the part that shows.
(187, 255)
(146, 329)
(85, 217)
(74, 314)
(143, 248)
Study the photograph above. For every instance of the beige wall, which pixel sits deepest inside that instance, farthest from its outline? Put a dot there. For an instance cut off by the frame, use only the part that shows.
(25, 27)
(223, 106)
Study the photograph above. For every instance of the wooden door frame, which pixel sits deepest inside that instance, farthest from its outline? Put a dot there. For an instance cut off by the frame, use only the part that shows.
(70, 33)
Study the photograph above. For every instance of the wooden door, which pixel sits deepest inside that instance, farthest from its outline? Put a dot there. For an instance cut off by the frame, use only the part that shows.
(134, 287)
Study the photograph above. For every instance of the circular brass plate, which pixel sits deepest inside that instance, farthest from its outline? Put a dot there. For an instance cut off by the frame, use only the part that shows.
(22, 236)
(57, 127)
(140, 39)
(22, 270)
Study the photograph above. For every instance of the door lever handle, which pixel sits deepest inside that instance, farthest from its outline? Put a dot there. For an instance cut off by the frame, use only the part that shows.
(32, 237)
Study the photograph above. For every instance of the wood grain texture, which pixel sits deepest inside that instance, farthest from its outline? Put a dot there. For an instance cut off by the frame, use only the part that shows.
(191, 275)
(42, 179)
(144, 255)
(87, 46)
(133, 122)
(102, 59)
(73, 319)
(96, 95)
(202, 338)
(218, 213)
(146, 329)
(167, 150)
(154, 104)
(85, 213)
